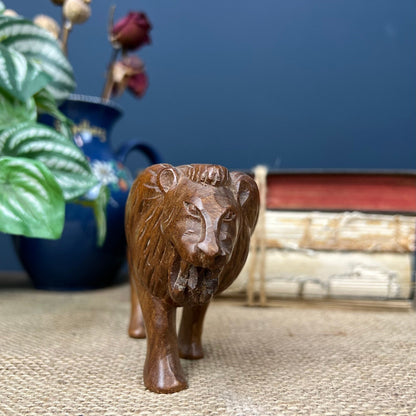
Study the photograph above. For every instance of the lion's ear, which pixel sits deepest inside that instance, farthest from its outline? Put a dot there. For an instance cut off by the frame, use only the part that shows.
(167, 178)
(247, 195)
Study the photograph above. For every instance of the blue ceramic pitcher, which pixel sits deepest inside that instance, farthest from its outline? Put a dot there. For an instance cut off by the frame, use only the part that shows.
(75, 262)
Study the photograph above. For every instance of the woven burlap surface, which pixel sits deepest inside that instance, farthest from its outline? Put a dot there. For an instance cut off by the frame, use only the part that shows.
(68, 354)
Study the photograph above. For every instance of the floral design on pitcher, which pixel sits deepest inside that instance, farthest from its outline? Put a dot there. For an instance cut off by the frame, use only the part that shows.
(104, 172)
(112, 174)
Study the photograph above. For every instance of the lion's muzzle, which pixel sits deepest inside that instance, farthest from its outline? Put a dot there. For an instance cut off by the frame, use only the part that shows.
(191, 284)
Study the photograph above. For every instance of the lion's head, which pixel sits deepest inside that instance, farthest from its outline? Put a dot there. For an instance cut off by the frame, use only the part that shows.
(188, 229)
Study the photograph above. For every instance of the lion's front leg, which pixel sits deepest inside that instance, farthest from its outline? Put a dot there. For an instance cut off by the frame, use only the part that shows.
(162, 369)
(136, 325)
(190, 332)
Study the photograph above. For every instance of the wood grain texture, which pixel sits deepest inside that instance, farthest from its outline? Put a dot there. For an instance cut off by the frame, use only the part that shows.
(188, 230)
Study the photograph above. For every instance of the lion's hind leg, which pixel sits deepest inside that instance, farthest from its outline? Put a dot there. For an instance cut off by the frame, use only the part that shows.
(190, 332)
(136, 326)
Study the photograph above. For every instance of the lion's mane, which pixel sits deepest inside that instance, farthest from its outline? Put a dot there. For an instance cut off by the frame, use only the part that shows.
(150, 254)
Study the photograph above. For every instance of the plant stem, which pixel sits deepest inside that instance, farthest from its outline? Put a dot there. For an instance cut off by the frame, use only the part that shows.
(110, 80)
(67, 26)
(108, 87)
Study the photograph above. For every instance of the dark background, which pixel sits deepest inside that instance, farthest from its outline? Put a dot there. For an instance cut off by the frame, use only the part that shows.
(293, 84)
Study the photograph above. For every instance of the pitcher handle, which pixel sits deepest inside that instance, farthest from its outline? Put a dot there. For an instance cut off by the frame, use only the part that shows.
(135, 144)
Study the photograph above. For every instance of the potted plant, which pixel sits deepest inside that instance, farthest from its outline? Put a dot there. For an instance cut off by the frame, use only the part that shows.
(52, 166)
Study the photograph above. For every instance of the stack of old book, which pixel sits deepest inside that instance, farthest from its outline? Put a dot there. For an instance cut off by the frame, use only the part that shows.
(334, 235)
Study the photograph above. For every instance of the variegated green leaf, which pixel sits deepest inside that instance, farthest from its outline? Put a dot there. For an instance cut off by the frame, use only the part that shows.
(19, 78)
(39, 46)
(39, 142)
(13, 111)
(31, 201)
(2, 7)
(46, 104)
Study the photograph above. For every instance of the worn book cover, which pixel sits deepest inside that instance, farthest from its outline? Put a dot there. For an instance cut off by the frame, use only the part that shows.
(335, 236)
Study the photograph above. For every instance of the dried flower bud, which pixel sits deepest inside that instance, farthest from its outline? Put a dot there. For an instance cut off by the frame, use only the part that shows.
(58, 2)
(10, 13)
(132, 31)
(129, 73)
(47, 23)
(138, 84)
(134, 63)
(76, 11)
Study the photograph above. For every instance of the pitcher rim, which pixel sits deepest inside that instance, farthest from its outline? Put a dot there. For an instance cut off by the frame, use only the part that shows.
(95, 100)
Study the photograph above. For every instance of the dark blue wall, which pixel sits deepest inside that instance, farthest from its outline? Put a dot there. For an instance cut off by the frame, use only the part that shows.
(291, 84)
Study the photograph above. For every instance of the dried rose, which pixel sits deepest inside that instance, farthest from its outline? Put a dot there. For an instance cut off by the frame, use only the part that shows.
(132, 31)
(138, 84)
(76, 11)
(47, 23)
(58, 2)
(129, 73)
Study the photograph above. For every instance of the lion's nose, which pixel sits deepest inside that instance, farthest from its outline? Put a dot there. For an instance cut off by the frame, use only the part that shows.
(211, 255)
(209, 248)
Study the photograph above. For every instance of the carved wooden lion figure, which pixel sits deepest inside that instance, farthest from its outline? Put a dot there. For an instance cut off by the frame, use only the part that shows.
(188, 230)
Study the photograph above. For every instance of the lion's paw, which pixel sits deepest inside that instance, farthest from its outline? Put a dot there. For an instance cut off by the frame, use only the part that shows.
(163, 380)
(192, 351)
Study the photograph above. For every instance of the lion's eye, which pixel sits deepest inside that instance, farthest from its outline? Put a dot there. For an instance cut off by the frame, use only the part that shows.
(191, 209)
(229, 216)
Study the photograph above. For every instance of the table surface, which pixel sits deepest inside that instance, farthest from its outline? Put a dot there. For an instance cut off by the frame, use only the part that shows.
(69, 353)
